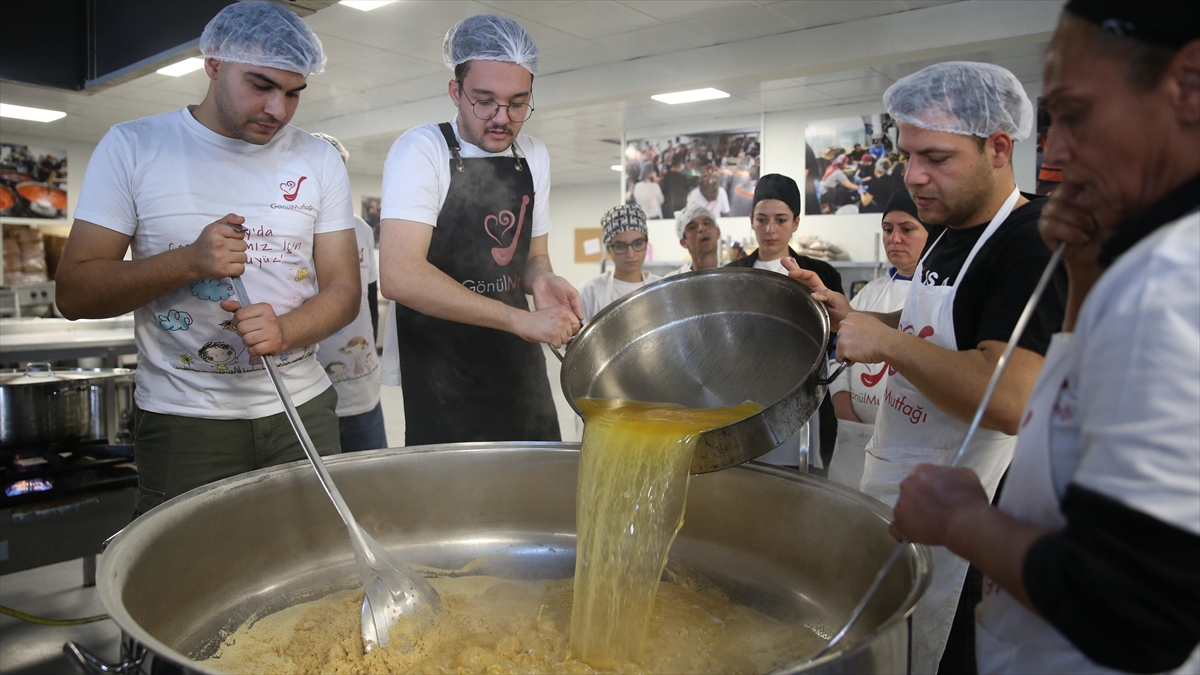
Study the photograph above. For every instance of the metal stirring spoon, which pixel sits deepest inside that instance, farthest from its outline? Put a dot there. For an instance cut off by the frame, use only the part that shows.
(393, 590)
(1026, 313)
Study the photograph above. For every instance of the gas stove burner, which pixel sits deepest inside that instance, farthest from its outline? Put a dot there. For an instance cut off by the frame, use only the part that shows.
(61, 469)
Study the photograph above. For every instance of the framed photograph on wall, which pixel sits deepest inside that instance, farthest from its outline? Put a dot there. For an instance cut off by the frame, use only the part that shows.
(852, 164)
(33, 182)
(717, 169)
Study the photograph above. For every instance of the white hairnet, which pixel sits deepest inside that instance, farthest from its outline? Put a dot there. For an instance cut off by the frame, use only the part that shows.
(263, 34)
(962, 97)
(337, 145)
(688, 214)
(487, 37)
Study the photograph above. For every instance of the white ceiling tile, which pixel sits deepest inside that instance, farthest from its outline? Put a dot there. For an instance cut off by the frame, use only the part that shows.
(839, 76)
(579, 55)
(434, 15)
(813, 13)
(546, 37)
(163, 97)
(339, 50)
(671, 11)
(653, 40)
(193, 83)
(733, 27)
(395, 66)
(919, 4)
(526, 8)
(857, 88)
(593, 19)
(781, 98)
(348, 78)
(372, 28)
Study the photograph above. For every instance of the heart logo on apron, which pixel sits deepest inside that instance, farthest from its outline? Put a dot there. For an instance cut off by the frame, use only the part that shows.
(504, 222)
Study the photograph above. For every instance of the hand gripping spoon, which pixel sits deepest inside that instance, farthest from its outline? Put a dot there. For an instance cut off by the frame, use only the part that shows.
(393, 590)
(983, 403)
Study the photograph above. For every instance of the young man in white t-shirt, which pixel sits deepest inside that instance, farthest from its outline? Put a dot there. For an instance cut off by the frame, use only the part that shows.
(463, 238)
(222, 189)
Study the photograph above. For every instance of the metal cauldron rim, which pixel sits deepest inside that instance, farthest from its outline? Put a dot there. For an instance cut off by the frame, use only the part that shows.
(177, 506)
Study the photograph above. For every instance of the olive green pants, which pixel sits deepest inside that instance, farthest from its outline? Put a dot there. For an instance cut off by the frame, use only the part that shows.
(175, 454)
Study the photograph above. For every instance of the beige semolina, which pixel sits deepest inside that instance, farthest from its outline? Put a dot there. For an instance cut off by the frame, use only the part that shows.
(492, 625)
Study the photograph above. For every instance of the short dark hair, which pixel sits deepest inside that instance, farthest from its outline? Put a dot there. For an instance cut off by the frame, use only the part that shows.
(1145, 63)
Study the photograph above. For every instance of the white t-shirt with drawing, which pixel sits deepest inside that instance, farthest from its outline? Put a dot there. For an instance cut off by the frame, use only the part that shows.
(162, 180)
(416, 180)
(348, 356)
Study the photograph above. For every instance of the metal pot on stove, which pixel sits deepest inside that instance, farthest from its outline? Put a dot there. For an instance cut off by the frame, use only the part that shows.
(41, 405)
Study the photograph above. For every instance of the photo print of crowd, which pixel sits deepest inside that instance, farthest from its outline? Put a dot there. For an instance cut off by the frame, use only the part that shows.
(718, 170)
(852, 165)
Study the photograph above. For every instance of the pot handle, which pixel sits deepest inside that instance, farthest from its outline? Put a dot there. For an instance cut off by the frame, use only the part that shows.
(90, 664)
(33, 368)
(827, 381)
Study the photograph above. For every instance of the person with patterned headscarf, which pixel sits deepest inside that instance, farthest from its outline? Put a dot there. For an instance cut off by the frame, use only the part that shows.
(625, 240)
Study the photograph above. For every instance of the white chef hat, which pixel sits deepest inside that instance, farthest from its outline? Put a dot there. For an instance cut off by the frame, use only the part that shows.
(962, 97)
(263, 34)
(337, 145)
(488, 37)
(688, 214)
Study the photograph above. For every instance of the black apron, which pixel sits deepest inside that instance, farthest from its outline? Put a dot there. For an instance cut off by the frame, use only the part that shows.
(470, 383)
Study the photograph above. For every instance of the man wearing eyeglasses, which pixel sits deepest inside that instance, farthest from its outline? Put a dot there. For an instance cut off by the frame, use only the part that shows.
(463, 239)
(625, 238)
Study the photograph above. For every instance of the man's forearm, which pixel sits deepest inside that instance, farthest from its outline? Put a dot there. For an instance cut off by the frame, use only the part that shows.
(425, 288)
(536, 266)
(324, 314)
(891, 320)
(955, 380)
(100, 289)
(997, 544)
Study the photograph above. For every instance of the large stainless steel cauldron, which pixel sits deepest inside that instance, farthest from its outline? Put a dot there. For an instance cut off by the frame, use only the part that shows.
(788, 544)
(708, 339)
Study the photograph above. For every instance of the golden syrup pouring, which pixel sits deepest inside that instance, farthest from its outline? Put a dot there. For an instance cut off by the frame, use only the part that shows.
(633, 476)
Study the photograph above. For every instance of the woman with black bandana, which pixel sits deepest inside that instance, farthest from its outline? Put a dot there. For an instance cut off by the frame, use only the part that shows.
(775, 216)
(1093, 553)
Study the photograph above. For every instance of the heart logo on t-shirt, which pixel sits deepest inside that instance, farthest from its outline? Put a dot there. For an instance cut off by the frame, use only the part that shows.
(291, 188)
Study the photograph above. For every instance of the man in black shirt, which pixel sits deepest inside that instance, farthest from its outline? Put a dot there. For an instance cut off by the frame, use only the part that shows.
(958, 123)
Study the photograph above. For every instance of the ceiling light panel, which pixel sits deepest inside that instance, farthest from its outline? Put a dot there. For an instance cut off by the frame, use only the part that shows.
(182, 68)
(21, 112)
(366, 5)
(690, 96)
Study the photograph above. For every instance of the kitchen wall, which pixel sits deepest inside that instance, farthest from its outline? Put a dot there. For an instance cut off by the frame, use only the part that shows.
(78, 155)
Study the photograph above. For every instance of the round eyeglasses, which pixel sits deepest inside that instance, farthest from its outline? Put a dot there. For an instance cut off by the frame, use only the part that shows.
(621, 248)
(486, 110)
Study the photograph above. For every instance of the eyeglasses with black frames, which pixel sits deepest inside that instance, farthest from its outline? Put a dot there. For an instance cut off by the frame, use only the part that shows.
(486, 110)
(621, 248)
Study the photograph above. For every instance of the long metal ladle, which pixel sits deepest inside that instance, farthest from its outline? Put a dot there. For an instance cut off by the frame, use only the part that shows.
(1038, 290)
(393, 590)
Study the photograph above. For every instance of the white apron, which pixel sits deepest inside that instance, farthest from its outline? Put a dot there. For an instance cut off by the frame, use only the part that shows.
(849, 455)
(911, 430)
(866, 388)
(1009, 637)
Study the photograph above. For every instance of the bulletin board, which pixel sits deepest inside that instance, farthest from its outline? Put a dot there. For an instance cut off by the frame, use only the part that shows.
(588, 244)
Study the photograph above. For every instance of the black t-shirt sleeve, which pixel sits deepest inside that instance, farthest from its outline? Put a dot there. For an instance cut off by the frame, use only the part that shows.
(1121, 585)
(1010, 272)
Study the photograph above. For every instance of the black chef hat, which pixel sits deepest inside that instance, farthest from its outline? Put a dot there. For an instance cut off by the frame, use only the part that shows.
(1163, 22)
(902, 201)
(777, 186)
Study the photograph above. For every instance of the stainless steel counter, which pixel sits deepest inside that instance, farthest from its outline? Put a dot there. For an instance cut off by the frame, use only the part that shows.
(35, 339)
